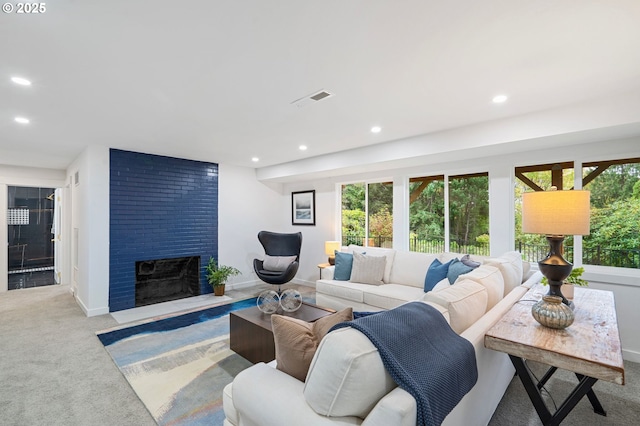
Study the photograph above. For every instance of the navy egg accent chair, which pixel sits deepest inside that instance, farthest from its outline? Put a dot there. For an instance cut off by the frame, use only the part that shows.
(278, 244)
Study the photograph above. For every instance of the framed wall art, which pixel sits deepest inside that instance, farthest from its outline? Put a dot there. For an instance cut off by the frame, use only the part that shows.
(303, 208)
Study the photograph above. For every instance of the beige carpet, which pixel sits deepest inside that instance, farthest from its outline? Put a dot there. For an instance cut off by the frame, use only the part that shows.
(55, 371)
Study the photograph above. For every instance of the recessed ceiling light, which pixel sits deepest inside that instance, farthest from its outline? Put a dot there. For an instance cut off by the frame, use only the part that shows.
(302, 147)
(255, 159)
(376, 129)
(499, 99)
(21, 120)
(21, 81)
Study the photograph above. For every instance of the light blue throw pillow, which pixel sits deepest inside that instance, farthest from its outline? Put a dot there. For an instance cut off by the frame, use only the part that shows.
(344, 263)
(457, 268)
(437, 272)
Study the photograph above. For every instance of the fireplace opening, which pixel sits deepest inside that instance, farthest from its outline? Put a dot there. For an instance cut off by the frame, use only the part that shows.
(162, 280)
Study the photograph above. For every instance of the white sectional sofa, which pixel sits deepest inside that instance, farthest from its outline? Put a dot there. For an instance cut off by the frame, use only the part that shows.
(347, 383)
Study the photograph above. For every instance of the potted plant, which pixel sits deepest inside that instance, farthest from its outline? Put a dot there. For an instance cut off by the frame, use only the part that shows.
(217, 275)
(570, 281)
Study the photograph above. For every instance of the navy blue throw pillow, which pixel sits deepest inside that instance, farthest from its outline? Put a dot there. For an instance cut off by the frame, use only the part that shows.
(437, 272)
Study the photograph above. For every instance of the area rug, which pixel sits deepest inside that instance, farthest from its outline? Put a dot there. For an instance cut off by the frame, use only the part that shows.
(179, 365)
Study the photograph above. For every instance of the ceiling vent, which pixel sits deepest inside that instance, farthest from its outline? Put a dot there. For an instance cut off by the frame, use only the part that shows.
(312, 98)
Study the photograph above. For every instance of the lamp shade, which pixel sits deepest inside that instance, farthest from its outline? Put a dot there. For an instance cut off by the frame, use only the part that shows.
(330, 247)
(556, 212)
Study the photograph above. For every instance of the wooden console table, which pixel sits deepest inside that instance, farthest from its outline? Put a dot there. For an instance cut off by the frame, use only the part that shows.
(590, 347)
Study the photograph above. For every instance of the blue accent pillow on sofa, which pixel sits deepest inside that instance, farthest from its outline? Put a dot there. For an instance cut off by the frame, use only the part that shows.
(437, 272)
(457, 268)
(344, 263)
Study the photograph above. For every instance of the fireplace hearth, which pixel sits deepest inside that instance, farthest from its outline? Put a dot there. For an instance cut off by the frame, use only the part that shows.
(162, 280)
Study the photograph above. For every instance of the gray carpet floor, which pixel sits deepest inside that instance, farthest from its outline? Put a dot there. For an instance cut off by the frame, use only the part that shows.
(54, 371)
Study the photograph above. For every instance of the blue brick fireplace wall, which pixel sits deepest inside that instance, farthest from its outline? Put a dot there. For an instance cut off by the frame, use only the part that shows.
(160, 208)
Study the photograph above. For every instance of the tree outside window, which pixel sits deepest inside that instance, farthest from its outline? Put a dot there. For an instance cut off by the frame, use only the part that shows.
(426, 214)
(540, 177)
(614, 238)
(367, 214)
(615, 211)
(469, 214)
(468, 211)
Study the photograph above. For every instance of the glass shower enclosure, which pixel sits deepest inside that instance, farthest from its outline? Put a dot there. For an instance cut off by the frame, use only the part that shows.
(30, 221)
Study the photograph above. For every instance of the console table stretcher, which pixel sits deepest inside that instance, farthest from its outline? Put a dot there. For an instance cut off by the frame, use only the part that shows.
(590, 347)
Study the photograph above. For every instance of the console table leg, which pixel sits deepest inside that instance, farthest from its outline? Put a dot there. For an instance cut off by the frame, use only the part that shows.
(593, 399)
(546, 377)
(533, 390)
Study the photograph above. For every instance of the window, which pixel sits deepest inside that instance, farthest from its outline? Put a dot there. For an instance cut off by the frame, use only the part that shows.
(615, 208)
(469, 214)
(467, 209)
(540, 178)
(367, 214)
(426, 214)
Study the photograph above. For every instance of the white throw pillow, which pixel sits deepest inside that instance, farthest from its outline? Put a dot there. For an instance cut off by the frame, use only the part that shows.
(277, 263)
(368, 269)
(510, 265)
(491, 278)
(389, 254)
(346, 377)
(466, 302)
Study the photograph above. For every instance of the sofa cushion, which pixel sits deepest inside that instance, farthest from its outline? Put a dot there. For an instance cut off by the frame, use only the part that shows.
(442, 285)
(389, 296)
(367, 269)
(457, 268)
(466, 302)
(437, 272)
(346, 376)
(376, 251)
(491, 278)
(510, 265)
(343, 265)
(277, 263)
(296, 341)
(410, 268)
(342, 289)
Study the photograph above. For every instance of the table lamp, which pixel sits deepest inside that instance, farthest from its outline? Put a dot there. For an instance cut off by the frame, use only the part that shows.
(330, 248)
(556, 214)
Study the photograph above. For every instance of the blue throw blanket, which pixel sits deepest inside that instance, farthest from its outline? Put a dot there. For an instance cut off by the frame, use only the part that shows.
(423, 355)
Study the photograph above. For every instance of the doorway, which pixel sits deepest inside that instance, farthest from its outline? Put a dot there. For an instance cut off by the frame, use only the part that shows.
(31, 236)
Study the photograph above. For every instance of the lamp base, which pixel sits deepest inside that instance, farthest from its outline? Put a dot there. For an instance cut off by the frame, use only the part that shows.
(555, 267)
(332, 260)
(555, 290)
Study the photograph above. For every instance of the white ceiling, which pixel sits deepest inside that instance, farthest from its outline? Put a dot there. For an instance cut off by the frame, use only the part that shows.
(214, 80)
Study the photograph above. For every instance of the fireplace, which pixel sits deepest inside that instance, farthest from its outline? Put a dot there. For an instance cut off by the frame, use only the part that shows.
(162, 280)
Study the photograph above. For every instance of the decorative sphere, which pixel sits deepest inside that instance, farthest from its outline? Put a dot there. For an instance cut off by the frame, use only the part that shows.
(551, 312)
(268, 301)
(290, 300)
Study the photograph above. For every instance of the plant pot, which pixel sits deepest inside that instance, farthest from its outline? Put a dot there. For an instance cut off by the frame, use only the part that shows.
(567, 290)
(218, 290)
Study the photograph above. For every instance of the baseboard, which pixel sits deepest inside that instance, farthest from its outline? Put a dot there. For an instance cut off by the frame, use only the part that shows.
(91, 312)
(239, 286)
(632, 356)
(305, 283)
(246, 284)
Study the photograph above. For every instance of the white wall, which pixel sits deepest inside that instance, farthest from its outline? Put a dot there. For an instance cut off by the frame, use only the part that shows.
(245, 207)
(624, 283)
(20, 176)
(90, 217)
(313, 237)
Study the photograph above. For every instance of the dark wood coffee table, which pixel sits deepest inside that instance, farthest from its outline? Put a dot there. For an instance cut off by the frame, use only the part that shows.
(251, 335)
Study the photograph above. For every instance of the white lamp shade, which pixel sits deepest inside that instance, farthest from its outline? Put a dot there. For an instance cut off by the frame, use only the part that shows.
(556, 212)
(330, 247)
